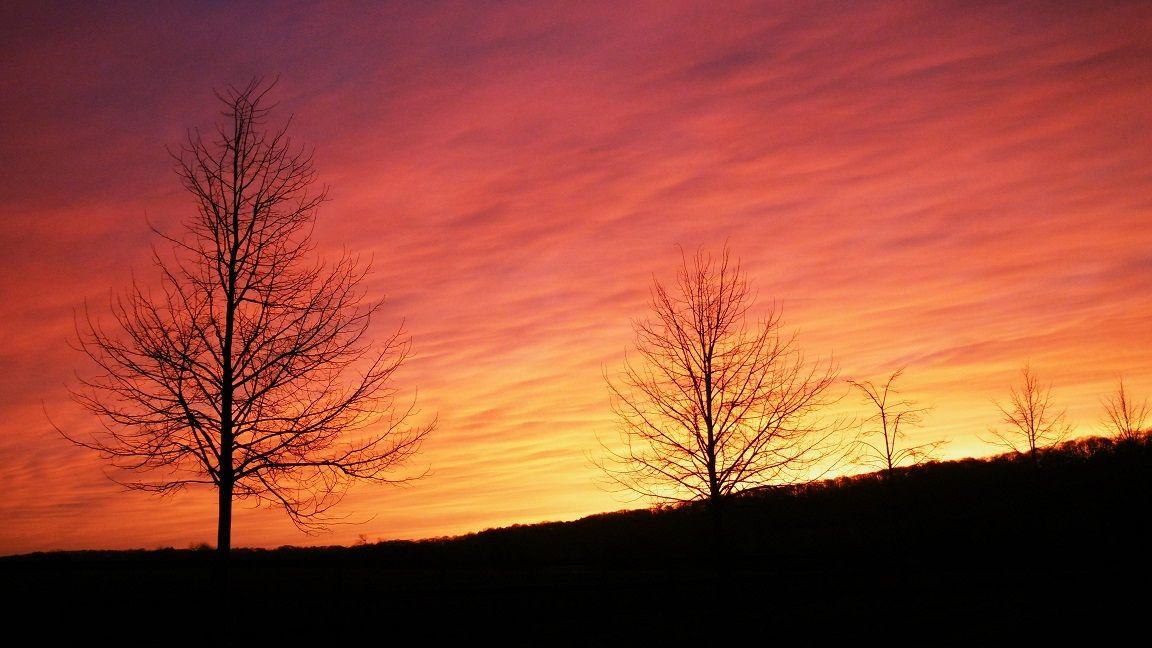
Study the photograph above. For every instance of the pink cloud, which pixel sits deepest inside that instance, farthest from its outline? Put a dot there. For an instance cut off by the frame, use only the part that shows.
(952, 188)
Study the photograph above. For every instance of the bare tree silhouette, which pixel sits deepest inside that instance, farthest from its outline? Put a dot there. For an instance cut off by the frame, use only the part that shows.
(248, 368)
(716, 405)
(1032, 422)
(888, 423)
(1124, 418)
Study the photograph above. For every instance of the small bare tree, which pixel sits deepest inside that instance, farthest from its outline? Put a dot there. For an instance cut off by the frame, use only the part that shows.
(892, 417)
(1125, 418)
(248, 369)
(716, 405)
(1032, 422)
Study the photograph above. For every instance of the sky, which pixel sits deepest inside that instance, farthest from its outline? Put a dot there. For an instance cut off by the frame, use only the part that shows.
(958, 188)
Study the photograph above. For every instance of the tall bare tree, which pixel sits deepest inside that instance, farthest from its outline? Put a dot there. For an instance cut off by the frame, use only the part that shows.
(1125, 418)
(883, 444)
(248, 368)
(1032, 421)
(716, 404)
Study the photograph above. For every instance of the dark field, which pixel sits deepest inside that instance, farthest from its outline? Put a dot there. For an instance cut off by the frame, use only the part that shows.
(955, 552)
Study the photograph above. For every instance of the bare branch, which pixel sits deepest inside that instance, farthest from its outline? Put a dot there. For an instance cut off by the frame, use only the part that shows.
(713, 404)
(1125, 417)
(1032, 422)
(888, 424)
(248, 366)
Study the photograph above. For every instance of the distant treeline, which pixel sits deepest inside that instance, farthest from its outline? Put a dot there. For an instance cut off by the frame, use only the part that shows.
(1088, 494)
(1001, 544)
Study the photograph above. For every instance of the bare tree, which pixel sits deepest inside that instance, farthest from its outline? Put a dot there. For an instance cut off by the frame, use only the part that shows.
(893, 416)
(1032, 422)
(248, 368)
(1125, 418)
(716, 405)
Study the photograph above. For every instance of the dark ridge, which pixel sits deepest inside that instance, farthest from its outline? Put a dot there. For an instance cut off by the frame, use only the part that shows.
(978, 546)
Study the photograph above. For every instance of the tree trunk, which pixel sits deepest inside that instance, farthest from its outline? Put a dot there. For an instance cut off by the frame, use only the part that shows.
(224, 519)
(221, 582)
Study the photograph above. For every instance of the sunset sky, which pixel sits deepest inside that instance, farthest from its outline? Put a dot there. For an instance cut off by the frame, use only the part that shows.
(956, 187)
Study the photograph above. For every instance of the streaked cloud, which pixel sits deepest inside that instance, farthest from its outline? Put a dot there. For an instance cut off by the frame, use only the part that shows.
(960, 188)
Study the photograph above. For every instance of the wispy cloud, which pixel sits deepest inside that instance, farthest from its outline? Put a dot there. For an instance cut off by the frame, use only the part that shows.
(959, 188)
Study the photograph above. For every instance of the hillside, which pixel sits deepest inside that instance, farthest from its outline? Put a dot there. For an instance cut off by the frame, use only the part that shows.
(970, 545)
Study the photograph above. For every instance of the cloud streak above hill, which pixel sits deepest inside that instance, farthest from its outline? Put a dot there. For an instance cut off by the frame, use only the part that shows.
(960, 188)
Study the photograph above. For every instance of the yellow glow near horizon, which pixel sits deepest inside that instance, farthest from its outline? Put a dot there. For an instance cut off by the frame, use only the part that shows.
(927, 187)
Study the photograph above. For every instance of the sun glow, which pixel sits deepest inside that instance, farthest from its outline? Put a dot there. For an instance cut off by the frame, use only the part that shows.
(951, 191)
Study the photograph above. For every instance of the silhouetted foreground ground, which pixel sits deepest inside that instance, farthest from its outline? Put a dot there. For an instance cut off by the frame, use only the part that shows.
(956, 552)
